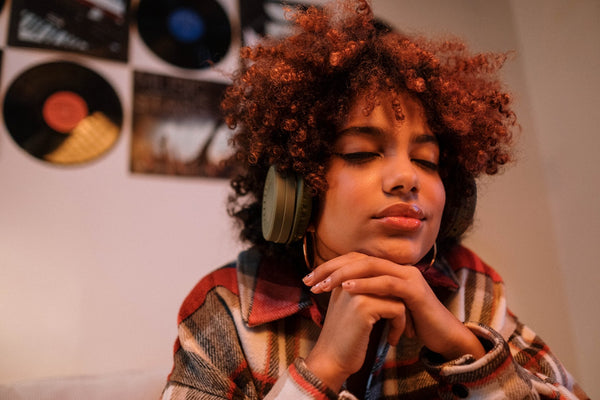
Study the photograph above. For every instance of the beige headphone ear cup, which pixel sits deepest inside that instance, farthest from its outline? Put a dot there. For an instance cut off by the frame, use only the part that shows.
(302, 212)
(278, 207)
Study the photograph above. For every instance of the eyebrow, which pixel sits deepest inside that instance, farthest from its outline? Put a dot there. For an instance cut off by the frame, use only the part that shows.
(361, 130)
(420, 138)
(426, 138)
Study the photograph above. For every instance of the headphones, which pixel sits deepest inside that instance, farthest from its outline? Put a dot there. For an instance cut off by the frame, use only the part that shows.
(459, 217)
(286, 207)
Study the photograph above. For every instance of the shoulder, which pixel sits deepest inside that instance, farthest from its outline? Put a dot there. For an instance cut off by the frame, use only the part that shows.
(481, 296)
(225, 276)
(463, 260)
(227, 285)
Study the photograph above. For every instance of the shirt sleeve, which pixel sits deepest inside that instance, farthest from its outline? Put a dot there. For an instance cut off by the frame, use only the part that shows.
(522, 367)
(210, 362)
(299, 383)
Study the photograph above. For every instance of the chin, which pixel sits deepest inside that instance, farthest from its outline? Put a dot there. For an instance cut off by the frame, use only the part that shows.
(397, 254)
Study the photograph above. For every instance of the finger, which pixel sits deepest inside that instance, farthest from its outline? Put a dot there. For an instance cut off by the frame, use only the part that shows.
(412, 291)
(397, 328)
(327, 268)
(362, 266)
(356, 267)
(366, 308)
(384, 285)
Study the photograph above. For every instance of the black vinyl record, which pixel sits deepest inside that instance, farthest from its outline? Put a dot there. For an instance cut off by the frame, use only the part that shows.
(190, 34)
(63, 113)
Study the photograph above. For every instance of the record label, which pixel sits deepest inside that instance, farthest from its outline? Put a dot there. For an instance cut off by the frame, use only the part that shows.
(62, 112)
(189, 34)
(186, 25)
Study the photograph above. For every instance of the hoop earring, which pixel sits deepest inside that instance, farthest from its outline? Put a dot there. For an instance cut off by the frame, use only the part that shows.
(426, 267)
(307, 258)
(434, 255)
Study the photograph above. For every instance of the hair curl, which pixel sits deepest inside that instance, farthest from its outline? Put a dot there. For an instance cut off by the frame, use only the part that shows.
(291, 94)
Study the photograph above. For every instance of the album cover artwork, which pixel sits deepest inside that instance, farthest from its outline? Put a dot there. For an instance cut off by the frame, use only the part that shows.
(265, 17)
(62, 113)
(260, 18)
(93, 27)
(189, 34)
(177, 128)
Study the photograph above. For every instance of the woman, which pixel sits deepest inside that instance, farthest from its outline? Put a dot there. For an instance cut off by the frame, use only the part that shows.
(358, 149)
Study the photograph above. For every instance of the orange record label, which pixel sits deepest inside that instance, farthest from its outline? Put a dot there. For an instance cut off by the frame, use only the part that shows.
(64, 110)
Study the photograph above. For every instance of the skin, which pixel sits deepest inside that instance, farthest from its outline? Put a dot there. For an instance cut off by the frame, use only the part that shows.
(380, 216)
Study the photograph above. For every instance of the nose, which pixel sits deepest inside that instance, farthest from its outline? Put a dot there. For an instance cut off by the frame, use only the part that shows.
(399, 176)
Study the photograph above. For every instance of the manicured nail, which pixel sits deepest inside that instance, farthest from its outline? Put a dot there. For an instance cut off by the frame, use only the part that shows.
(308, 278)
(325, 284)
(316, 288)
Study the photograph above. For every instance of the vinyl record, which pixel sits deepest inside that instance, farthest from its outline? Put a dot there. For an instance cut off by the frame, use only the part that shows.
(190, 34)
(63, 113)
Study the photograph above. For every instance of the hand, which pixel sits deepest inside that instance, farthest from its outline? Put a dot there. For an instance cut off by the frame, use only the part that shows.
(366, 289)
(342, 345)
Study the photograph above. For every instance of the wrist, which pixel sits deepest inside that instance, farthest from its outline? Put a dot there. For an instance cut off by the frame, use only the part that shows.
(326, 371)
(465, 343)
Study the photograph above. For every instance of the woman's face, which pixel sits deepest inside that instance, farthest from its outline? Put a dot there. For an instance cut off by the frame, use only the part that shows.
(385, 195)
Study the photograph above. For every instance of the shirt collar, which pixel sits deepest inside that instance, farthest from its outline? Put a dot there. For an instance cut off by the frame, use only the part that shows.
(271, 290)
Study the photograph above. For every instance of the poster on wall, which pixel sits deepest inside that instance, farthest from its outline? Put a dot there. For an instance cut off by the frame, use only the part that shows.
(265, 17)
(260, 18)
(189, 34)
(62, 113)
(97, 28)
(177, 128)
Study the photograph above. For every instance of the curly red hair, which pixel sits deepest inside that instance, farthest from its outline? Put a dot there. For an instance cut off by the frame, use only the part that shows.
(291, 95)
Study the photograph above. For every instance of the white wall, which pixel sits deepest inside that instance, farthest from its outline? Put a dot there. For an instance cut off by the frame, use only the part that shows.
(94, 261)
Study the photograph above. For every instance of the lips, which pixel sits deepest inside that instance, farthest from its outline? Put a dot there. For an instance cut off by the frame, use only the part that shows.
(401, 210)
(401, 216)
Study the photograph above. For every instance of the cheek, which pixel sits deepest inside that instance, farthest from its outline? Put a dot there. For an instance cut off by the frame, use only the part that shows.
(439, 201)
(340, 200)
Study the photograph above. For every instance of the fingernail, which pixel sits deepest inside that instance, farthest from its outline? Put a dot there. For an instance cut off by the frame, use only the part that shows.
(348, 284)
(308, 278)
(325, 283)
(316, 288)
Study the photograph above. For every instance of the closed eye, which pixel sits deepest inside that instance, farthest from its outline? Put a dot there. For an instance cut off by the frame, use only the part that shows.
(359, 157)
(426, 164)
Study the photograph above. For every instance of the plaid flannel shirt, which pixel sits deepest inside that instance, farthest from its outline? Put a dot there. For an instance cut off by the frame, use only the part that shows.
(245, 329)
